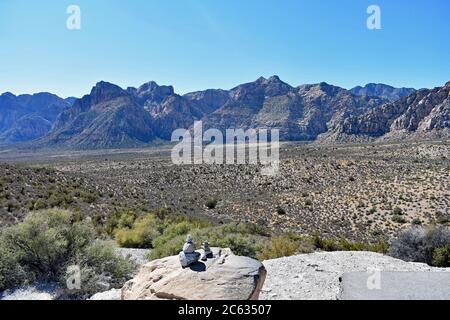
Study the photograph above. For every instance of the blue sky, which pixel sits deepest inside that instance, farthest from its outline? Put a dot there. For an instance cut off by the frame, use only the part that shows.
(199, 44)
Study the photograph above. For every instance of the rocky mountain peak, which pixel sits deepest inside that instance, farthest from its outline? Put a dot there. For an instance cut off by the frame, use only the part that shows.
(320, 89)
(104, 91)
(274, 79)
(261, 80)
(152, 92)
(8, 95)
(273, 86)
(152, 87)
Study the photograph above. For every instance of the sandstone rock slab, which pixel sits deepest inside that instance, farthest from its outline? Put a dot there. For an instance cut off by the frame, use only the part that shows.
(223, 277)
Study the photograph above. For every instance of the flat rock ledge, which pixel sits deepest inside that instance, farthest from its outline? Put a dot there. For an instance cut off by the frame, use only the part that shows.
(322, 275)
(223, 277)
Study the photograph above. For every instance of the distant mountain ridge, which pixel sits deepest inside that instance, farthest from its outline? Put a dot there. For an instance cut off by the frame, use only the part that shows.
(27, 117)
(382, 91)
(425, 114)
(112, 117)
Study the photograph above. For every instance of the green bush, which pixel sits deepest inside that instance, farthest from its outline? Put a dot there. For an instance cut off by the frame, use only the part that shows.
(39, 205)
(118, 220)
(11, 273)
(89, 197)
(102, 269)
(141, 235)
(212, 203)
(47, 242)
(344, 245)
(441, 257)
(152, 229)
(279, 247)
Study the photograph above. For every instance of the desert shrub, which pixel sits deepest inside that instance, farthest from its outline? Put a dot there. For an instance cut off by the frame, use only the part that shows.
(316, 240)
(397, 211)
(59, 200)
(89, 197)
(154, 229)
(399, 219)
(380, 247)
(281, 211)
(419, 244)
(40, 204)
(212, 203)
(120, 219)
(102, 269)
(441, 257)
(173, 231)
(279, 247)
(345, 245)
(47, 242)
(11, 273)
(141, 235)
(409, 245)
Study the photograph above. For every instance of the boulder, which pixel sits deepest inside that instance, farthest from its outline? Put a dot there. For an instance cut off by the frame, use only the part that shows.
(223, 277)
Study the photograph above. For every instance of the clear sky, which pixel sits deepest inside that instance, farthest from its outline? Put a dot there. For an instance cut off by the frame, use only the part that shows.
(200, 44)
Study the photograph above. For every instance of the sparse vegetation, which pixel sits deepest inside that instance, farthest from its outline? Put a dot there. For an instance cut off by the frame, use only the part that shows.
(320, 243)
(284, 246)
(48, 242)
(356, 207)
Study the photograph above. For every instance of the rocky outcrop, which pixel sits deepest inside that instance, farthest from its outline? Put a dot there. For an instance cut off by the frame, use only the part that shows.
(223, 277)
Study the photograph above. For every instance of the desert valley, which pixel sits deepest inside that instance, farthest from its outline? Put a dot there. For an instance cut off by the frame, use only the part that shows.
(359, 170)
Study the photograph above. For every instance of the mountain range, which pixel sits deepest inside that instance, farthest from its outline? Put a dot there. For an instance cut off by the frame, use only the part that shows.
(112, 117)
